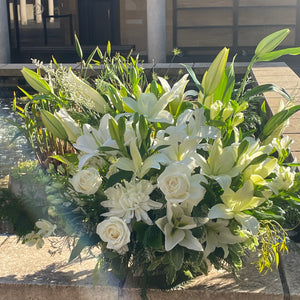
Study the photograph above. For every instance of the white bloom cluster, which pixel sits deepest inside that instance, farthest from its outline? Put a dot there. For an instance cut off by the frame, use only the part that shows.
(131, 200)
(45, 229)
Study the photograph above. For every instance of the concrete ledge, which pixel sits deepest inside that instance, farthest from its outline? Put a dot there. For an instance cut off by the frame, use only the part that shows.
(27, 273)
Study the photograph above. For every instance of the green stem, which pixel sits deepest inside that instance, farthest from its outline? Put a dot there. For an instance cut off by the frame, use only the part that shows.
(243, 84)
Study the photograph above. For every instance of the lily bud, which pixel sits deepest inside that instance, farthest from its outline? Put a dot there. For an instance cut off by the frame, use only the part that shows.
(227, 112)
(238, 119)
(270, 42)
(143, 127)
(71, 127)
(215, 109)
(36, 81)
(53, 125)
(213, 76)
(91, 94)
(113, 129)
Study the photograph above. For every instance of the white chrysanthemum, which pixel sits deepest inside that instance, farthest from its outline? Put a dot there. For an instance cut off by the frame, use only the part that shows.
(131, 200)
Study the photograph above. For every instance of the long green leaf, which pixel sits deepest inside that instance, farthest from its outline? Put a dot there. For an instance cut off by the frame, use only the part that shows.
(193, 76)
(276, 54)
(260, 89)
(276, 120)
(64, 158)
(270, 42)
(78, 47)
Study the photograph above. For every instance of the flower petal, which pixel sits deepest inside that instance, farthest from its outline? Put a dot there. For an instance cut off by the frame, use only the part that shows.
(172, 236)
(191, 242)
(220, 211)
(248, 222)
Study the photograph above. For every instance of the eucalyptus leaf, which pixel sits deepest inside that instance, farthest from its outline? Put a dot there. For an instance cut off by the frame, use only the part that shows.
(155, 264)
(153, 237)
(243, 146)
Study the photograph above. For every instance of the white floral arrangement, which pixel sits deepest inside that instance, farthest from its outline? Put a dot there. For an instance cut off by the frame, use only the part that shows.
(163, 179)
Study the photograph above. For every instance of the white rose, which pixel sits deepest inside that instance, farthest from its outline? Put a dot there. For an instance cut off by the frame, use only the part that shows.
(115, 232)
(174, 183)
(86, 181)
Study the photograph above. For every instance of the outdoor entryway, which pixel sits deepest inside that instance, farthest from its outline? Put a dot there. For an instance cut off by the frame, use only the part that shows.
(99, 21)
(38, 28)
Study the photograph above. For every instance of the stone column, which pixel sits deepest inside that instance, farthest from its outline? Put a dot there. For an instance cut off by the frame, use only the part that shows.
(51, 9)
(156, 30)
(23, 12)
(38, 11)
(4, 34)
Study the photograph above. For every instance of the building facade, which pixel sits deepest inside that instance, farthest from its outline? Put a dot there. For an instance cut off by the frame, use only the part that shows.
(194, 26)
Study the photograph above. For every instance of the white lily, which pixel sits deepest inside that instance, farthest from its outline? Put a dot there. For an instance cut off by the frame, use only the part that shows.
(254, 150)
(176, 228)
(218, 235)
(150, 107)
(220, 164)
(180, 148)
(92, 139)
(178, 92)
(193, 123)
(258, 173)
(139, 167)
(45, 228)
(284, 179)
(234, 203)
